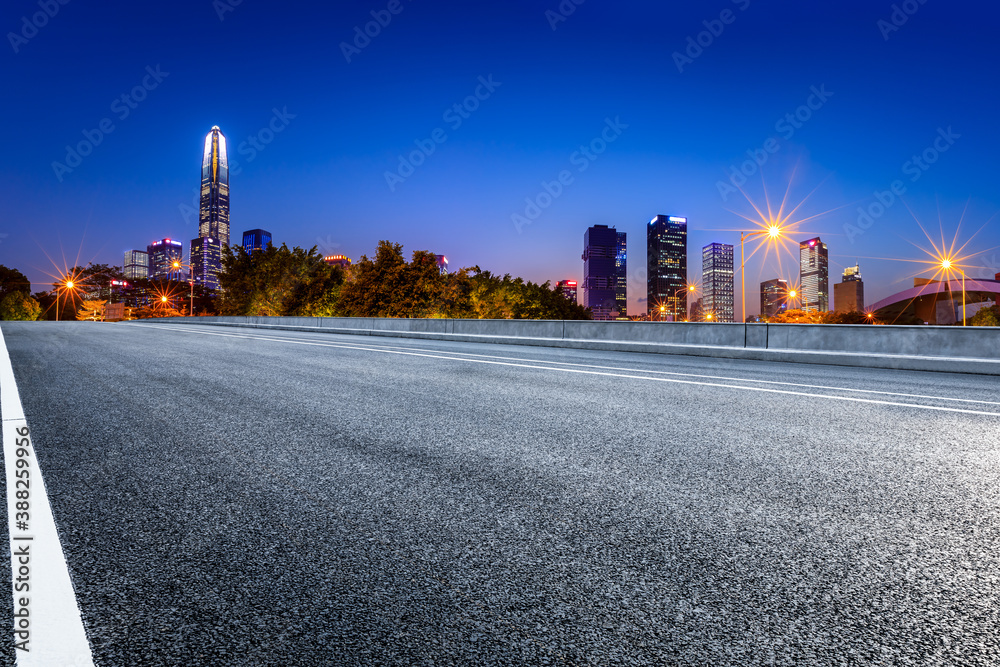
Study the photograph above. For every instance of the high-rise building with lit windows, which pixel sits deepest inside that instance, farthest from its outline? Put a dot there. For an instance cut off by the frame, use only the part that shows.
(162, 255)
(621, 287)
(568, 289)
(717, 281)
(773, 297)
(666, 267)
(136, 265)
(256, 239)
(814, 275)
(213, 218)
(849, 295)
(604, 267)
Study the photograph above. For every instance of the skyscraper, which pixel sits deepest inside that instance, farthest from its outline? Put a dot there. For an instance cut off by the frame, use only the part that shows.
(162, 255)
(256, 239)
(568, 289)
(603, 271)
(666, 266)
(136, 265)
(814, 275)
(717, 281)
(213, 218)
(773, 297)
(849, 295)
(621, 287)
(442, 263)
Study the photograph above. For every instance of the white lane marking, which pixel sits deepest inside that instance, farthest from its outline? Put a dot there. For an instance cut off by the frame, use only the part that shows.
(786, 392)
(50, 628)
(636, 370)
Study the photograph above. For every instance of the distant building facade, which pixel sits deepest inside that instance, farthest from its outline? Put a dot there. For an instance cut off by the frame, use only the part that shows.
(666, 266)
(568, 289)
(604, 270)
(442, 263)
(136, 265)
(773, 297)
(162, 255)
(814, 275)
(256, 239)
(717, 281)
(849, 294)
(206, 252)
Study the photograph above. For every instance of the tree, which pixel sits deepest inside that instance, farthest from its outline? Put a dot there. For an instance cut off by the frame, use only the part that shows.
(91, 310)
(12, 280)
(987, 317)
(19, 306)
(278, 281)
(853, 317)
(797, 316)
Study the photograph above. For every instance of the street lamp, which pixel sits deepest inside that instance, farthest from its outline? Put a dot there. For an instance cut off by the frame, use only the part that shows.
(773, 233)
(663, 310)
(177, 266)
(948, 266)
(708, 317)
(688, 288)
(68, 285)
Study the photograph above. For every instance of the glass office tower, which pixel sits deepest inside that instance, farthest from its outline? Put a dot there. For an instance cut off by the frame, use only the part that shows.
(814, 275)
(717, 281)
(666, 267)
(213, 219)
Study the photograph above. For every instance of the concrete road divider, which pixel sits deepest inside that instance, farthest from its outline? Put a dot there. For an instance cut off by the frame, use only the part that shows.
(918, 348)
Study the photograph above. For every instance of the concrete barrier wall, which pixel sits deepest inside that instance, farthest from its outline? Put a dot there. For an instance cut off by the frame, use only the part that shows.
(960, 349)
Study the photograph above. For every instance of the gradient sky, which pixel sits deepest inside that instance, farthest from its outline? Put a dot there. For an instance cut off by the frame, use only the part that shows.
(321, 179)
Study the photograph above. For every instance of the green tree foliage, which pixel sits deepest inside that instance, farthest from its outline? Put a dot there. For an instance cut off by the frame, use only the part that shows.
(278, 281)
(12, 280)
(389, 286)
(987, 317)
(853, 317)
(19, 306)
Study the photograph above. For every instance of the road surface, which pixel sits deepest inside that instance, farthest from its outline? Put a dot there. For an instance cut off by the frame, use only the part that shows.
(241, 497)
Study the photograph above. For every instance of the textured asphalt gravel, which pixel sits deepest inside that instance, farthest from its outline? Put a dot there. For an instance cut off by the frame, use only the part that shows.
(224, 499)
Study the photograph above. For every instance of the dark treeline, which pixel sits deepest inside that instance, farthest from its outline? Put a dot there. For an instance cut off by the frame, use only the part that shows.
(279, 281)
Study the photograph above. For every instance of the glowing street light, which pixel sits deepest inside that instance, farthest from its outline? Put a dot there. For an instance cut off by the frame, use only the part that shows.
(773, 232)
(687, 288)
(177, 265)
(663, 310)
(950, 266)
(68, 284)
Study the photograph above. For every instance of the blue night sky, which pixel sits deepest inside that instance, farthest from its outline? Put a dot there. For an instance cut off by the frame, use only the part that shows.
(888, 95)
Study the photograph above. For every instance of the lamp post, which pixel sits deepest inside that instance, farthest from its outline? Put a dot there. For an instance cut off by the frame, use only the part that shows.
(688, 288)
(177, 266)
(663, 310)
(69, 285)
(773, 232)
(948, 265)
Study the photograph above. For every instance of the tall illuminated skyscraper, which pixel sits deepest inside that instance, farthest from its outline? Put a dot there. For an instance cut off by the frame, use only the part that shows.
(773, 297)
(814, 275)
(604, 272)
(162, 255)
(621, 266)
(666, 266)
(136, 264)
(717, 281)
(213, 218)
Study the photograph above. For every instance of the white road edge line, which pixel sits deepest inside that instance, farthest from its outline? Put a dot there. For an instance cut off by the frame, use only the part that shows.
(643, 370)
(850, 399)
(48, 629)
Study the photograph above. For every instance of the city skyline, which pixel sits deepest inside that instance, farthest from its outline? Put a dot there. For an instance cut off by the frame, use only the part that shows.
(837, 119)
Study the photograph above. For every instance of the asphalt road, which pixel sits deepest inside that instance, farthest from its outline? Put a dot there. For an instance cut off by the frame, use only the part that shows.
(239, 497)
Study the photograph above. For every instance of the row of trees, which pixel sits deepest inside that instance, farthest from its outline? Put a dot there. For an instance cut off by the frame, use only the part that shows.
(279, 281)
